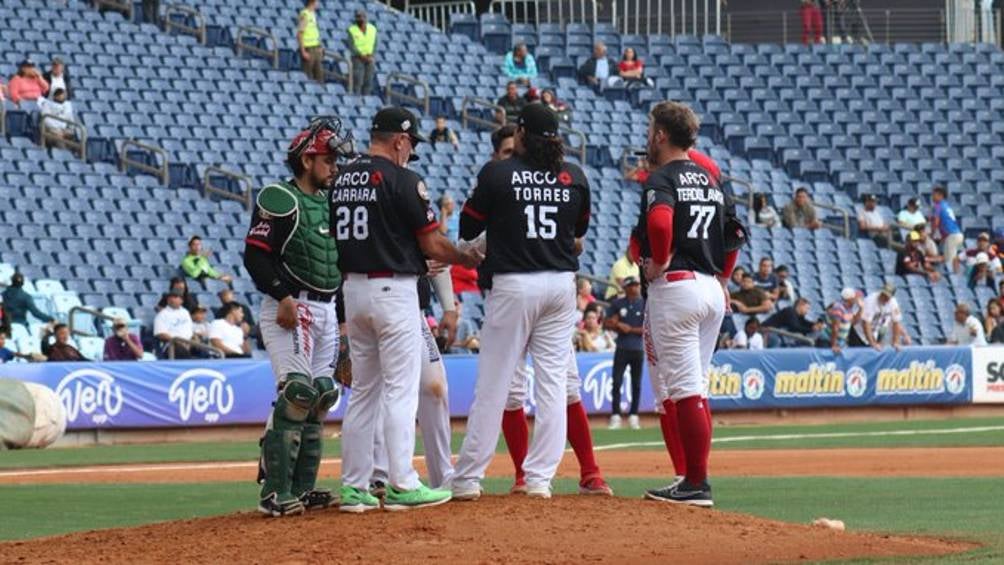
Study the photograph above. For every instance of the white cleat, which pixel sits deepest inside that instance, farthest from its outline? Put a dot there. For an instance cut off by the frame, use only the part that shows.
(467, 494)
(615, 422)
(633, 422)
(538, 491)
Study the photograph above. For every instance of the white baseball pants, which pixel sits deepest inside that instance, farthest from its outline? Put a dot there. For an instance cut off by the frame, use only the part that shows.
(311, 348)
(524, 312)
(520, 387)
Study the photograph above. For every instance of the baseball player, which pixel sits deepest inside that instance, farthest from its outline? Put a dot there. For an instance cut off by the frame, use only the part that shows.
(294, 262)
(689, 238)
(532, 207)
(385, 228)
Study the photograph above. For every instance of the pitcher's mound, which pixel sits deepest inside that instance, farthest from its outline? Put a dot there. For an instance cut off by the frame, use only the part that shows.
(495, 529)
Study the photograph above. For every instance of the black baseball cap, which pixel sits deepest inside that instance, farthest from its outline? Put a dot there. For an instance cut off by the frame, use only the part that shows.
(538, 119)
(628, 281)
(395, 119)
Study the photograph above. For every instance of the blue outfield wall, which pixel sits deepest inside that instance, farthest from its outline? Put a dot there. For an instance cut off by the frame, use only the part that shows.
(200, 393)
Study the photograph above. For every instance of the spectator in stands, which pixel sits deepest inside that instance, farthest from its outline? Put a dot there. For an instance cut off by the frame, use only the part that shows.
(800, 212)
(967, 329)
(226, 333)
(626, 317)
(200, 326)
(872, 224)
(840, 316)
(750, 338)
(910, 217)
(449, 220)
(812, 22)
(18, 303)
(879, 313)
(174, 321)
(983, 246)
(363, 43)
(786, 291)
(639, 173)
(794, 319)
(58, 78)
(443, 134)
(599, 71)
(550, 99)
(6, 355)
(944, 223)
(511, 103)
(765, 279)
(911, 260)
(622, 268)
(196, 264)
(4, 320)
(631, 69)
(763, 213)
(583, 294)
(178, 284)
(27, 84)
(592, 337)
(122, 345)
(992, 317)
(725, 332)
(226, 296)
(467, 340)
(308, 37)
(932, 255)
(981, 273)
(750, 299)
(503, 142)
(59, 107)
(520, 65)
(736, 282)
(60, 350)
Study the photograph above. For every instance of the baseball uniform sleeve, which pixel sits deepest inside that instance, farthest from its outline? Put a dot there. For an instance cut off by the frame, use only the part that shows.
(658, 191)
(585, 210)
(474, 215)
(414, 206)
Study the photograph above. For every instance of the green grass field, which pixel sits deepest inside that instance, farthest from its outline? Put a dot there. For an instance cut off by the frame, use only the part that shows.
(969, 508)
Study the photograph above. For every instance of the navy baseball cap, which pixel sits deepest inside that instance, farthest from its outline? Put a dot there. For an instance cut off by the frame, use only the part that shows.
(538, 119)
(395, 119)
(628, 281)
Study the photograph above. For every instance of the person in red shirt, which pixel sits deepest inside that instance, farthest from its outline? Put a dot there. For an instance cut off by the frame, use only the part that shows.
(464, 279)
(632, 69)
(640, 173)
(27, 84)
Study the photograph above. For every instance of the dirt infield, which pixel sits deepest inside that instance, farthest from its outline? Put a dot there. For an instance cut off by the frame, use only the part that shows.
(899, 462)
(493, 530)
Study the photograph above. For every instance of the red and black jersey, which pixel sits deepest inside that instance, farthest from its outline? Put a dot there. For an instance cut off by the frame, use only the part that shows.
(377, 210)
(532, 217)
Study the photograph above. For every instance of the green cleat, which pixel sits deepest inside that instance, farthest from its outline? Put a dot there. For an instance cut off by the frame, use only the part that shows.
(357, 500)
(420, 497)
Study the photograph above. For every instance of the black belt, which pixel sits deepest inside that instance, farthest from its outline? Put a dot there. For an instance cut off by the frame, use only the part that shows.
(315, 296)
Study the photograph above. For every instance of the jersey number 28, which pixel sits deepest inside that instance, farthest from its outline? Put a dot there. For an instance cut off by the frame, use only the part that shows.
(353, 223)
(705, 214)
(540, 222)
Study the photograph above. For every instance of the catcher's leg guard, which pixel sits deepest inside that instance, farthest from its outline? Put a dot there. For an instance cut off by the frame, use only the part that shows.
(308, 462)
(281, 445)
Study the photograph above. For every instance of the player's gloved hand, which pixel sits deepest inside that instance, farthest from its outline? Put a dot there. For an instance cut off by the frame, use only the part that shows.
(449, 325)
(286, 316)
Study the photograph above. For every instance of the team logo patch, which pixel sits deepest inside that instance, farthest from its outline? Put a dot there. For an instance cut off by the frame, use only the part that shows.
(565, 178)
(651, 197)
(430, 215)
(423, 191)
(261, 229)
(406, 125)
(857, 382)
(376, 178)
(753, 384)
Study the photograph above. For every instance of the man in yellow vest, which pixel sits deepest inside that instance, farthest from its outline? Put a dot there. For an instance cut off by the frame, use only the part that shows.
(309, 38)
(362, 41)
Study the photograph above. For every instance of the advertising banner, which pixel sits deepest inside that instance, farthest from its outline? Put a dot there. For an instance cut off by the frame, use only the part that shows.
(988, 375)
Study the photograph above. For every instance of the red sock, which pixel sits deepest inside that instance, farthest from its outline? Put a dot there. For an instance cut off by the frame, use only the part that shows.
(517, 438)
(582, 441)
(671, 435)
(696, 435)
(707, 412)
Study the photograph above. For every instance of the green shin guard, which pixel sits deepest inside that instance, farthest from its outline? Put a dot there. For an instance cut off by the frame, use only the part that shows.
(281, 445)
(308, 463)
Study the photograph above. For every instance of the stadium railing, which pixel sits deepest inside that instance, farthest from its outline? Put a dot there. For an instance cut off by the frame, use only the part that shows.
(567, 134)
(440, 14)
(127, 162)
(47, 134)
(74, 322)
(669, 17)
(468, 117)
(547, 11)
(123, 6)
(177, 18)
(390, 95)
(209, 188)
(255, 41)
(209, 349)
(333, 62)
(907, 25)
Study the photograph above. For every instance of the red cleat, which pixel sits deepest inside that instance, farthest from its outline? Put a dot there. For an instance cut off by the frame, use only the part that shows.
(595, 487)
(519, 487)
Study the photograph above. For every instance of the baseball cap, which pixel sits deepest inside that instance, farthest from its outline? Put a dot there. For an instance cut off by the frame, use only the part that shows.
(395, 119)
(538, 119)
(914, 236)
(848, 293)
(888, 289)
(982, 258)
(628, 281)
(983, 235)
(913, 202)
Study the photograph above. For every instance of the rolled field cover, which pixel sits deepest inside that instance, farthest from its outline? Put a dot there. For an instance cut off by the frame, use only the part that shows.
(31, 415)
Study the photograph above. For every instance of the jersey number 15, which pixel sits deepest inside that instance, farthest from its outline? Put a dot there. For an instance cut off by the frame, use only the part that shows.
(352, 223)
(540, 222)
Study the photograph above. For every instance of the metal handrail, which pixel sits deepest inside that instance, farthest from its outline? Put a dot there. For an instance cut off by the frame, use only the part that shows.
(199, 31)
(792, 335)
(519, 11)
(439, 14)
(336, 74)
(124, 6)
(891, 26)
(390, 94)
(244, 197)
(250, 31)
(644, 13)
(750, 190)
(581, 148)
(125, 162)
(214, 351)
(466, 118)
(847, 218)
(78, 142)
(86, 310)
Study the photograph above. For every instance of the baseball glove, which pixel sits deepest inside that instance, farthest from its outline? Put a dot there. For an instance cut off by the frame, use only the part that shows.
(736, 234)
(343, 368)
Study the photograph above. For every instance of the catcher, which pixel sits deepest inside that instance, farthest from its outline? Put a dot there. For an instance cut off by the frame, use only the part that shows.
(294, 261)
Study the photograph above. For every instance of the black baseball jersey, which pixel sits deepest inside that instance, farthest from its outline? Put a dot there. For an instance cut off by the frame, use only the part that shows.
(377, 210)
(700, 211)
(532, 217)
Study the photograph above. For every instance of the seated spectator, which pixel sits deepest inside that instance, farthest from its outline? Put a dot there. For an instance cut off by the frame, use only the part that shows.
(910, 217)
(983, 246)
(178, 284)
(57, 78)
(564, 111)
(592, 337)
(763, 213)
(599, 71)
(631, 69)
(750, 338)
(449, 220)
(174, 321)
(122, 345)
(464, 279)
(911, 261)
(786, 291)
(467, 340)
(725, 332)
(443, 134)
(27, 84)
(880, 313)
(200, 326)
(749, 299)
(992, 317)
(932, 255)
(226, 296)
(622, 268)
(226, 334)
(511, 103)
(520, 65)
(982, 275)
(794, 319)
(800, 212)
(639, 173)
(736, 282)
(872, 224)
(967, 329)
(840, 316)
(945, 225)
(59, 107)
(583, 294)
(18, 303)
(765, 279)
(60, 349)
(196, 263)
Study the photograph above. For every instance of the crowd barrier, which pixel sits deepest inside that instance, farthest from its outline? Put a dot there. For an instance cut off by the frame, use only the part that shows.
(205, 393)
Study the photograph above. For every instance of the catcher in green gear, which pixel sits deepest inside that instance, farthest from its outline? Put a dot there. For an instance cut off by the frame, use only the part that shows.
(294, 261)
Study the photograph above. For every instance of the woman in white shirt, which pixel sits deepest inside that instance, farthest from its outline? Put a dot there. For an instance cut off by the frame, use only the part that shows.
(750, 337)
(592, 337)
(910, 217)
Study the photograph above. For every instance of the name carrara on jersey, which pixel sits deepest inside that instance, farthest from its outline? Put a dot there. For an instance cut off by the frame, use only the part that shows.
(357, 186)
(527, 187)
